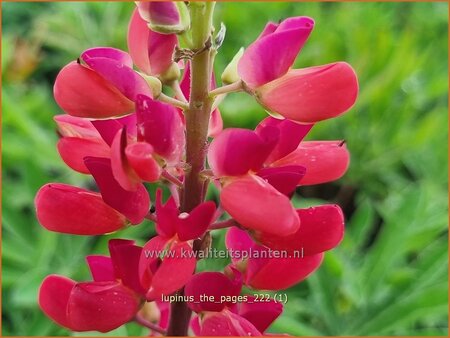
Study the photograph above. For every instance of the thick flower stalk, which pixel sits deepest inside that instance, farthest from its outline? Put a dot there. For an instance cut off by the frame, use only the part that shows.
(146, 117)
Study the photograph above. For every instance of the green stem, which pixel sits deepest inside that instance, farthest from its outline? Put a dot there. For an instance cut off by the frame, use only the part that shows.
(231, 88)
(198, 114)
(170, 100)
(197, 120)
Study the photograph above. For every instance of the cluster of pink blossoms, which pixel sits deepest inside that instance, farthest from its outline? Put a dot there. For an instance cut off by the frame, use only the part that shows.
(120, 129)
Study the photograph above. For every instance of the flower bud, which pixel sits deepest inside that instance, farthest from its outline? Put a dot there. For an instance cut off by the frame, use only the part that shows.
(230, 74)
(154, 83)
(165, 17)
(171, 74)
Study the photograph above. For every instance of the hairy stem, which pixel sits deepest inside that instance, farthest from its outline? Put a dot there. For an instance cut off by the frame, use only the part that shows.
(197, 120)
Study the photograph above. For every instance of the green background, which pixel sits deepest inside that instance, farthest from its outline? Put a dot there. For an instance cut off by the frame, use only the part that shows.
(388, 277)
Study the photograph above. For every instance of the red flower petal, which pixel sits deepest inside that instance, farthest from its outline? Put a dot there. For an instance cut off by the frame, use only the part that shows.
(151, 52)
(122, 77)
(322, 229)
(260, 314)
(291, 134)
(280, 273)
(238, 241)
(108, 128)
(110, 53)
(167, 216)
(274, 52)
(215, 123)
(195, 224)
(158, 275)
(236, 151)
(101, 268)
(80, 91)
(101, 306)
(150, 259)
(215, 285)
(256, 205)
(73, 150)
(326, 92)
(139, 156)
(160, 125)
(133, 204)
(125, 256)
(71, 210)
(159, 13)
(284, 179)
(265, 270)
(325, 161)
(226, 323)
(54, 296)
(72, 126)
(121, 169)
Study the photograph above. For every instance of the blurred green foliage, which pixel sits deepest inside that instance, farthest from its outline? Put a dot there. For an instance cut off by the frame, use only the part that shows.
(388, 277)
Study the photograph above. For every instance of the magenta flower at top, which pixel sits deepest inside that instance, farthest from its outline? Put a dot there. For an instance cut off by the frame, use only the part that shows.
(151, 52)
(164, 16)
(305, 95)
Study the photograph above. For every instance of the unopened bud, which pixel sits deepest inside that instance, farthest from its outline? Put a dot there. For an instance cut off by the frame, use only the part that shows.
(230, 74)
(171, 74)
(154, 83)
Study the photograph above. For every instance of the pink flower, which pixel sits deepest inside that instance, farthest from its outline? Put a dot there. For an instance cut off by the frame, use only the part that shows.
(151, 51)
(172, 249)
(322, 229)
(166, 264)
(226, 323)
(143, 142)
(133, 204)
(257, 205)
(221, 314)
(305, 95)
(109, 301)
(104, 85)
(325, 161)
(265, 272)
(138, 144)
(185, 226)
(79, 139)
(259, 169)
(276, 152)
(220, 289)
(160, 125)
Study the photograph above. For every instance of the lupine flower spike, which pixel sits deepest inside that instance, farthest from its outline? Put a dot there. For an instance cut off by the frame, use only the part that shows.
(146, 130)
